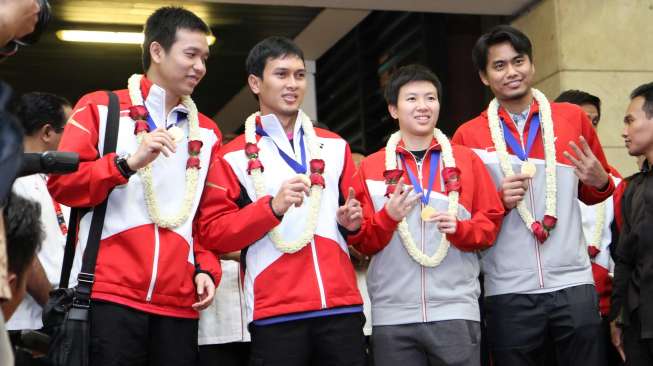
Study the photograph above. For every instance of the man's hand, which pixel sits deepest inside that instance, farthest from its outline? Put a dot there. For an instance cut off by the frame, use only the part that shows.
(154, 143)
(291, 193)
(446, 222)
(350, 215)
(513, 189)
(205, 291)
(400, 204)
(586, 166)
(616, 333)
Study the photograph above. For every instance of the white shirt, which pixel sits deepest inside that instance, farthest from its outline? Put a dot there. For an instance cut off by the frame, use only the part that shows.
(34, 187)
(225, 320)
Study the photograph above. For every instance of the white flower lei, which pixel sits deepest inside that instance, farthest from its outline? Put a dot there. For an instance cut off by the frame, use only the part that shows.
(597, 230)
(549, 154)
(315, 197)
(145, 173)
(404, 232)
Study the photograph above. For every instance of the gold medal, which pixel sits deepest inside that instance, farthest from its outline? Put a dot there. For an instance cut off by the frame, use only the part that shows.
(427, 212)
(528, 168)
(176, 133)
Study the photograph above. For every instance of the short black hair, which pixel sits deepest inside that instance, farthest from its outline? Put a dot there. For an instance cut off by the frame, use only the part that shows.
(645, 91)
(500, 34)
(35, 110)
(405, 75)
(270, 48)
(23, 231)
(162, 26)
(579, 97)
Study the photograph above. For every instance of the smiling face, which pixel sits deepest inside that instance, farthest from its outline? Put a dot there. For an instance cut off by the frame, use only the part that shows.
(183, 66)
(281, 89)
(638, 129)
(508, 73)
(417, 109)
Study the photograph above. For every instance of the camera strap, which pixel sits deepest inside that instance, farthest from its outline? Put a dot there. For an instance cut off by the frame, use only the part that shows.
(86, 276)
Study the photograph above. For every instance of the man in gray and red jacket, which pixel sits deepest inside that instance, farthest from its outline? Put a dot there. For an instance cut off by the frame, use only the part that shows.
(424, 312)
(538, 277)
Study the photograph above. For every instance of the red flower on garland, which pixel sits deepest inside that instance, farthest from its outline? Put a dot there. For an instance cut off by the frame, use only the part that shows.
(593, 251)
(251, 150)
(254, 164)
(317, 179)
(392, 176)
(138, 112)
(541, 234)
(317, 166)
(193, 162)
(194, 147)
(451, 176)
(549, 222)
(141, 126)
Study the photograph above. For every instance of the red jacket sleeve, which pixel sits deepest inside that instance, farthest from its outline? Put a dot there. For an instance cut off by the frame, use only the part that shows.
(228, 221)
(487, 211)
(92, 182)
(588, 194)
(205, 260)
(377, 227)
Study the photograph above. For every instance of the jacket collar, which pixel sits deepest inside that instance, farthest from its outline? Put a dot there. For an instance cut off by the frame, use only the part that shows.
(154, 98)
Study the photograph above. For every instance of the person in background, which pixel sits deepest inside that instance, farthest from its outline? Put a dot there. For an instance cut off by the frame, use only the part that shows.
(597, 222)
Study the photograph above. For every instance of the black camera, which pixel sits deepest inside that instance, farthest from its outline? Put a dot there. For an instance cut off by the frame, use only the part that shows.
(49, 162)
(44, 16)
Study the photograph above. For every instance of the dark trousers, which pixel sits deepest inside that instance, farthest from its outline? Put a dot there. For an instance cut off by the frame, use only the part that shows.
(639, 352)
(519, 327)
(335, 340)
(226, 354)
(122, 336)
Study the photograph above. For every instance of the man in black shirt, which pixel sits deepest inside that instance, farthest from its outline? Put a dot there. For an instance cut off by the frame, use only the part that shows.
(632, 296)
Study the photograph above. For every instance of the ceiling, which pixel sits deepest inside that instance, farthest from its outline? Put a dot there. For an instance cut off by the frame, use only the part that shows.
(72, 69)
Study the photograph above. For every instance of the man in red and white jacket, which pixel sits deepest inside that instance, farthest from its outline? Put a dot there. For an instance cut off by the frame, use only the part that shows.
(152, 275)
(303, 304)
(424, 298)
(537, 276)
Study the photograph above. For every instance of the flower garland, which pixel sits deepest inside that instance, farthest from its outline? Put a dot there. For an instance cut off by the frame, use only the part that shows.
(316, 180)
(451, 176)
(540, 229)
(597, 231)
(139, 113)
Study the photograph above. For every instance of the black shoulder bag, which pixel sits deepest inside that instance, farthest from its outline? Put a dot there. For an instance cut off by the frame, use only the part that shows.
(66, 314)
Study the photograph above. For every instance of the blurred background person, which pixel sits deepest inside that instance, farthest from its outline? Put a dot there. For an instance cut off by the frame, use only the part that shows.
(43, 117)
(24, 235)
(597, 222)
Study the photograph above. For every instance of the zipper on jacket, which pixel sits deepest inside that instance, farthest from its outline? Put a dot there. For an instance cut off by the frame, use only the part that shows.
(155, 264)
(422, 227)
(540, 274)
(320, 284)
(418, 165)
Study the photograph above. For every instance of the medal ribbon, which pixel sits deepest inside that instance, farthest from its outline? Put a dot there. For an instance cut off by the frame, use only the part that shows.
(299, 168)
(515, 146)
(417, 185)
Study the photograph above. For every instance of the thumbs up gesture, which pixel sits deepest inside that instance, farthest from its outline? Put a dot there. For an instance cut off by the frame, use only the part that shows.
(350, 215)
